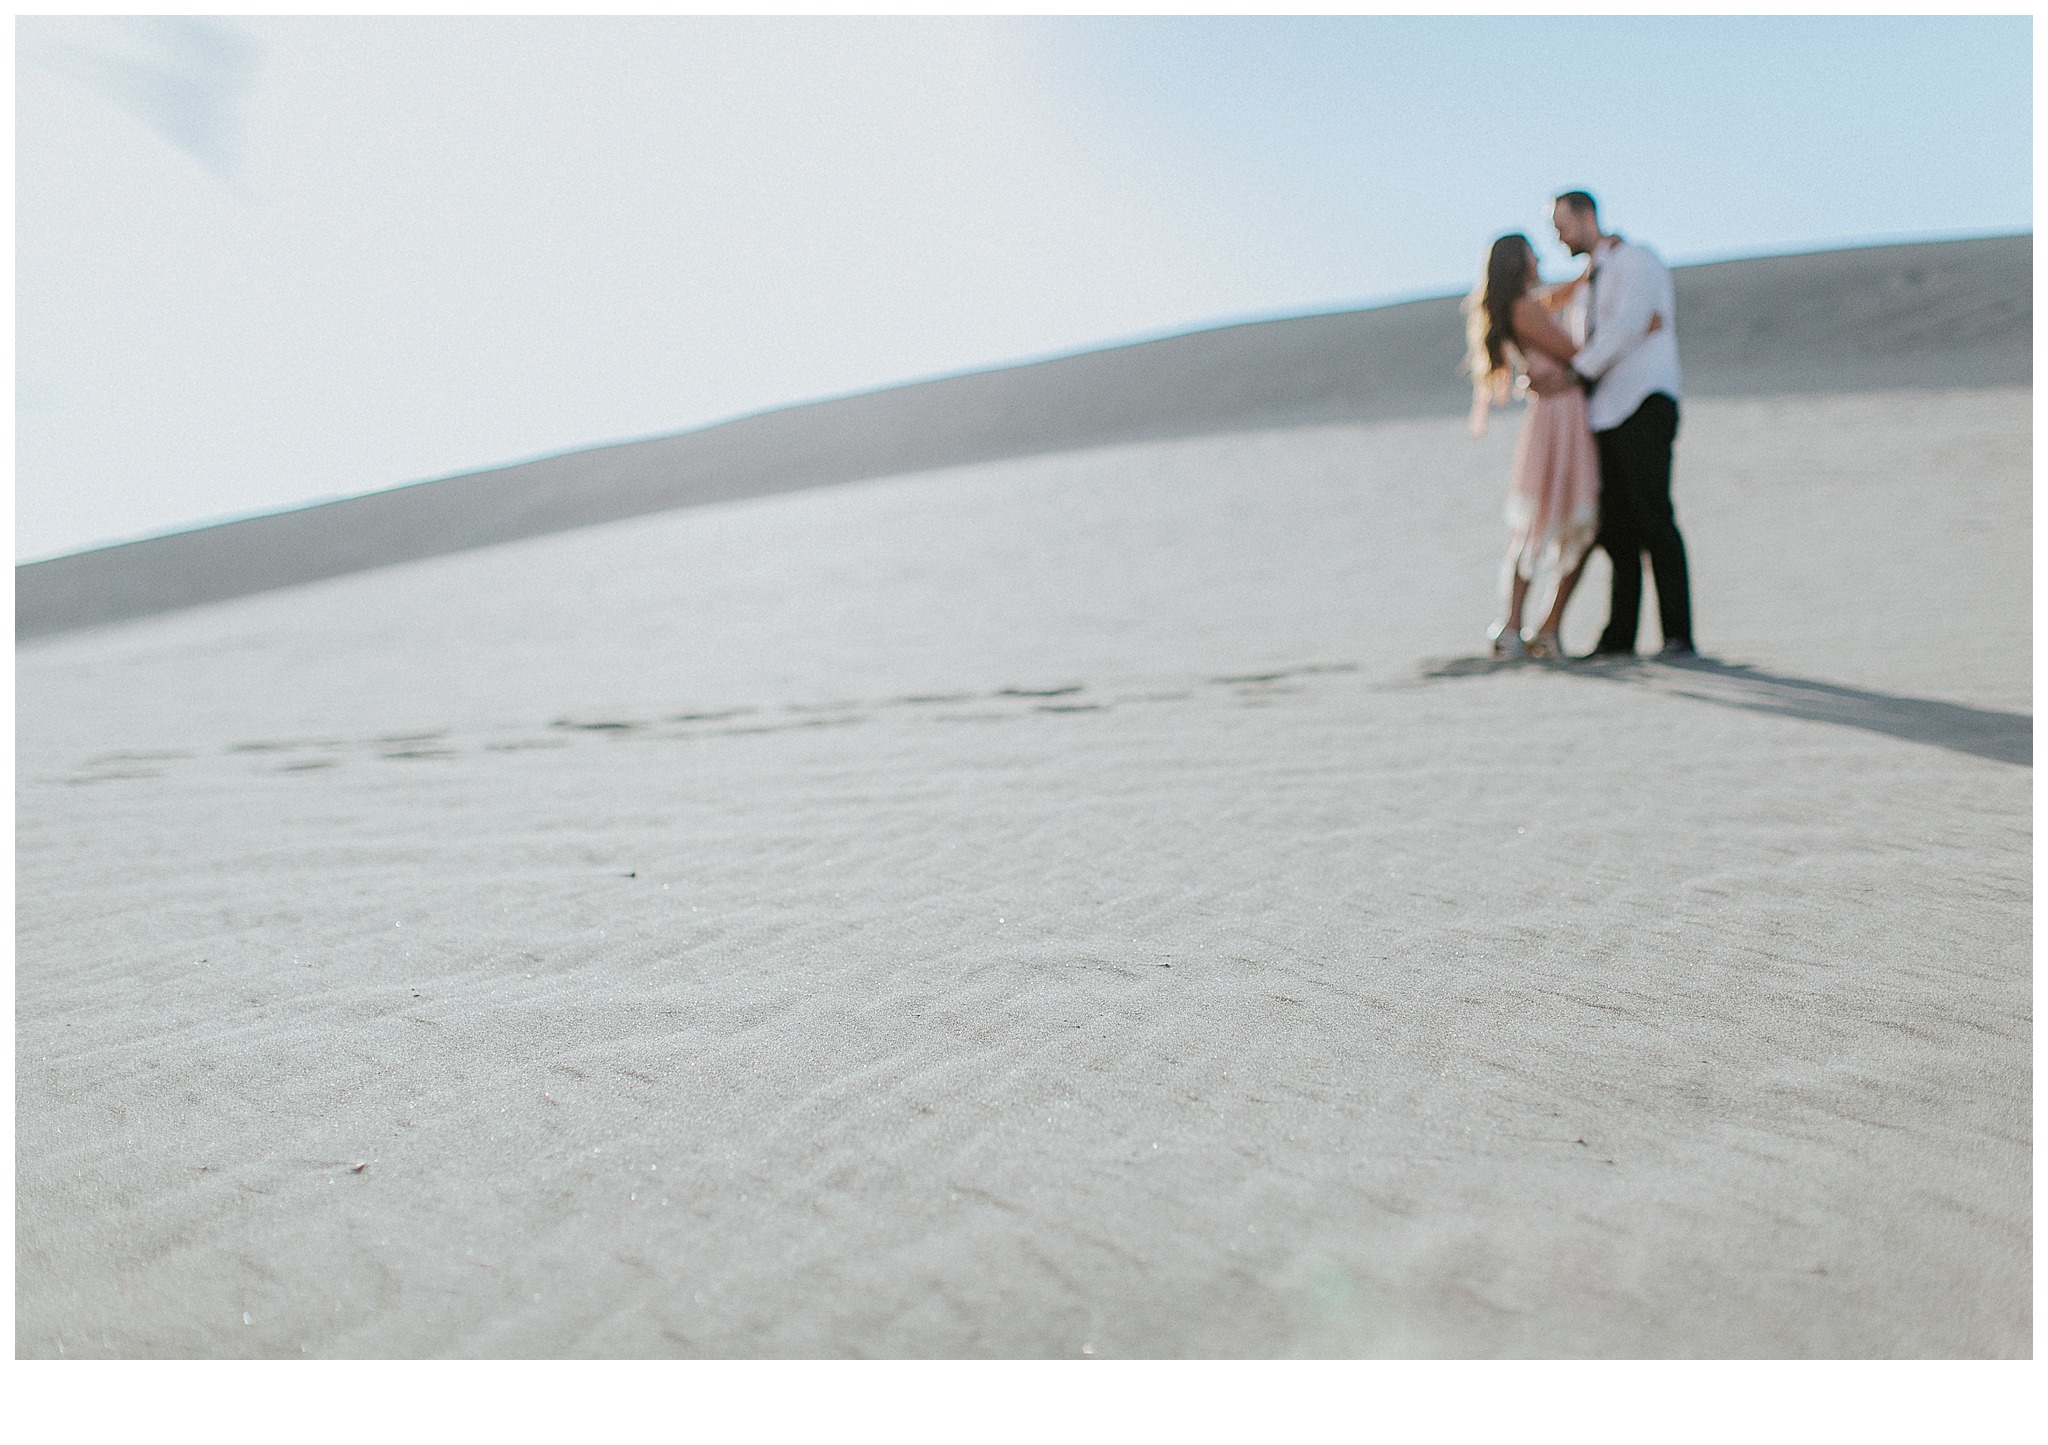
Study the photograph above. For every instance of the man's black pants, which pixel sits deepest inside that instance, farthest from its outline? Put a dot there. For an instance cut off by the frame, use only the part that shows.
(1635, 517)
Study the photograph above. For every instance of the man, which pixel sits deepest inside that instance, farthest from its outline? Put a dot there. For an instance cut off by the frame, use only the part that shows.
(1631, 374)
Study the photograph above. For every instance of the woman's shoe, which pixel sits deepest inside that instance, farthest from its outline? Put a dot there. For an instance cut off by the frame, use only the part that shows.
(1544, 645)
(1507, 643)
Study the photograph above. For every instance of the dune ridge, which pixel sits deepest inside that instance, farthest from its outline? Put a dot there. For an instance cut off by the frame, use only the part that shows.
(1935, 315)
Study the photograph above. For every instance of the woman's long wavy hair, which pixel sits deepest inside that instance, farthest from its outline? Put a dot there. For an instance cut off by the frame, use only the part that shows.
(1488, 310)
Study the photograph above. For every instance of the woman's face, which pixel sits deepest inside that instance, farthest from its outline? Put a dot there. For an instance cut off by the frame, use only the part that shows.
(1529, 273)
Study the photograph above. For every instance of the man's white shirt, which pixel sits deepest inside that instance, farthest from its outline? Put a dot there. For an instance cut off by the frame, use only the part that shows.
(1627, 361)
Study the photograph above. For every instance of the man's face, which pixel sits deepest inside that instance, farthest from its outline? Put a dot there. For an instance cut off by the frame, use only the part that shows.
(1575, 228)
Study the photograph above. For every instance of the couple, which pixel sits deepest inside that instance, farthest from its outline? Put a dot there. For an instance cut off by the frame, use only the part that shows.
(1599, 357)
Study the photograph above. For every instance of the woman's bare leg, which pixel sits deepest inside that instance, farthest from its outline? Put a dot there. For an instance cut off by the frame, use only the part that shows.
(1506, 634)
(1518, 596)
(1565, 586)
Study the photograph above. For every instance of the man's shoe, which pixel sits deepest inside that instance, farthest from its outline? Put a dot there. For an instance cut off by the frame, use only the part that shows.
(1676, 651)
(1603, 653)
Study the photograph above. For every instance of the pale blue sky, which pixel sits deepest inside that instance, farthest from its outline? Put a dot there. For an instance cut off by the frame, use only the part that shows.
(264, 261)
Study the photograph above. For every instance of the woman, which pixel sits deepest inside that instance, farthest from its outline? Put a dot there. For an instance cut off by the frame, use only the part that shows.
(1514, 343)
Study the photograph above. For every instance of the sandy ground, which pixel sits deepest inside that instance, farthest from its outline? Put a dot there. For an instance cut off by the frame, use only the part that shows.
(1088, 904)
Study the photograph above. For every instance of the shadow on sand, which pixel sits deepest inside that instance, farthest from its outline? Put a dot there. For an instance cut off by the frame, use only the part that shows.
(2003, 737)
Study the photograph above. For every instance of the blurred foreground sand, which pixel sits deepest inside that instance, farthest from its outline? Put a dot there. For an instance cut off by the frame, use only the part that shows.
(1092, 902)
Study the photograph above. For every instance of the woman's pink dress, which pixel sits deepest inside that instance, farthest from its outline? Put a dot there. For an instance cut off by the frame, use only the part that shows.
(1553, 507)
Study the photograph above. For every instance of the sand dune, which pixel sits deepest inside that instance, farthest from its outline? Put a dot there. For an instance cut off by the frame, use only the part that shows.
(1945, 315)
(1087, 903)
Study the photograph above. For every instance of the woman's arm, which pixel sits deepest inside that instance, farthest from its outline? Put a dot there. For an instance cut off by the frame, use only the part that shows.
(1555, 298)
(1536, 333)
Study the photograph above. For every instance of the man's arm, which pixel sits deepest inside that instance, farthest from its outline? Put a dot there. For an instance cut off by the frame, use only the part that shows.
(1629, 291)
